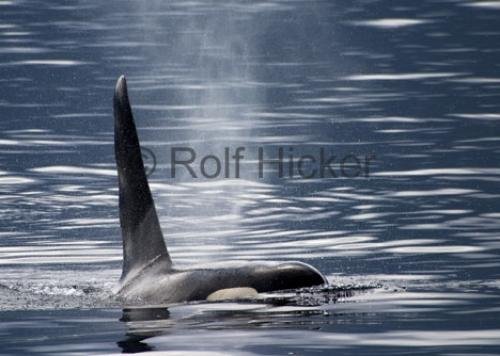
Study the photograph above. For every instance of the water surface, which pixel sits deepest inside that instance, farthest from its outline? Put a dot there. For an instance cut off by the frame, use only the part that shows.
(415, 243)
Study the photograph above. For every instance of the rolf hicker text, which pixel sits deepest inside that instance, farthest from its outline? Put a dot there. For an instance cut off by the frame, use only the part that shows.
(283, 161)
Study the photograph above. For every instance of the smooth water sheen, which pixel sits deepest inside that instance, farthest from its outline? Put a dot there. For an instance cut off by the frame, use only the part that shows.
(411, 251)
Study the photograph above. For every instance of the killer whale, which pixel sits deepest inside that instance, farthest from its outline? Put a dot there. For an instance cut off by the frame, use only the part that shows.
(148, 274)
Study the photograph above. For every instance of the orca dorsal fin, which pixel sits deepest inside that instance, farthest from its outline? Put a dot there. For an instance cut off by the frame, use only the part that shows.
(143, 242)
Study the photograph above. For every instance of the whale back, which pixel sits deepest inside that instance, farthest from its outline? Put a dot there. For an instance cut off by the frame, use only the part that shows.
(143, 242)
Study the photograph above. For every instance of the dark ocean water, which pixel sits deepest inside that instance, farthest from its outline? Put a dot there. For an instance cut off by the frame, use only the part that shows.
(411, 246)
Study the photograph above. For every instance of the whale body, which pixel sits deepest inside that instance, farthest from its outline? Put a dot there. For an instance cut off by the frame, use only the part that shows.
(148, 275)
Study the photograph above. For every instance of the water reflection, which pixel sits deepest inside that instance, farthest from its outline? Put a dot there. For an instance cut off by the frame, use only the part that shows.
(276, 310)
(329, 326)
(142, 324)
